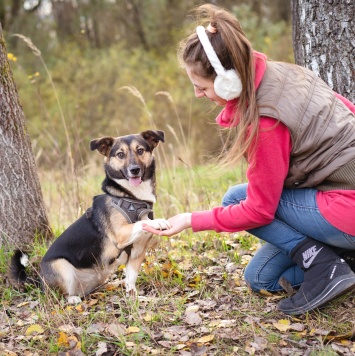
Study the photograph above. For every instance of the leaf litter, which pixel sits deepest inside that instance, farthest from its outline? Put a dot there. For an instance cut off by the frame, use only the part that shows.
(192, 301)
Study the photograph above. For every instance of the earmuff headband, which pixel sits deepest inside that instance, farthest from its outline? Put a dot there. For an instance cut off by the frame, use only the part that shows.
(227, 83)
(210, 52)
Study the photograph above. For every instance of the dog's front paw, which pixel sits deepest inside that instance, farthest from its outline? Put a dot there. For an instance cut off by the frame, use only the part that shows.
(73, 299)
(158, 224)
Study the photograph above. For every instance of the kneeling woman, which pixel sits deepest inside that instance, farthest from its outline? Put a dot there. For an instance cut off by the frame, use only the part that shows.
(298, 137)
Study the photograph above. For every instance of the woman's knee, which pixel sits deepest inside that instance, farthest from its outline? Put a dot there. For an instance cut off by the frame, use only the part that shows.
(235, 194)
(258, 282)
(267, 266)
(251, 279)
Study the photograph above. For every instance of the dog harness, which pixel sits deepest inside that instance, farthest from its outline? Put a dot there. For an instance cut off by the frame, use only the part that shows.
(133, 210)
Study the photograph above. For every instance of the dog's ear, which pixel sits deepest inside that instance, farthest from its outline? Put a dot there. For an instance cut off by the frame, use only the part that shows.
(153, 137)
(103, 145)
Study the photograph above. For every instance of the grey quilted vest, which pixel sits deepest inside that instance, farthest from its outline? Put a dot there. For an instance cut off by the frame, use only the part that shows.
(322, 128)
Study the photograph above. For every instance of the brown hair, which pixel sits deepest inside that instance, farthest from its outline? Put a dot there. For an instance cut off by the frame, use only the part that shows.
(235, 52)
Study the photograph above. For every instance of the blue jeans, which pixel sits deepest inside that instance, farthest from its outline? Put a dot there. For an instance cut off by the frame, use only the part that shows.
(296, 218)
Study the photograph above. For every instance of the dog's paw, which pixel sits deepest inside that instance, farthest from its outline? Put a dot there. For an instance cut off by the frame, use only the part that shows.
(73, 299)
(158, 224)
(131, 292)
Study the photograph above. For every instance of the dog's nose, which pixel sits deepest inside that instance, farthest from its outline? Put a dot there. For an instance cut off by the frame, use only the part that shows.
(134, 169)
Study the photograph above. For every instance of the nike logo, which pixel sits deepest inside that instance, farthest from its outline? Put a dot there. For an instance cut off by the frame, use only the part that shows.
(309, 256)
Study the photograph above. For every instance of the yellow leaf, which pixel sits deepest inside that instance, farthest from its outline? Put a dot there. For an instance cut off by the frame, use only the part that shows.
(147, 318)
(22, 304)
(197, 279)
(79, 308)
(132, 330)
(148, 268)
(265, 292)
(167, 266)
(282, 325)
(312, 331)
(34, 329)
(205, 339)
(63, 339)
(130, 344)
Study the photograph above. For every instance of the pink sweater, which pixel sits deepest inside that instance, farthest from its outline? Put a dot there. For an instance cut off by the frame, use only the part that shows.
(266, 174)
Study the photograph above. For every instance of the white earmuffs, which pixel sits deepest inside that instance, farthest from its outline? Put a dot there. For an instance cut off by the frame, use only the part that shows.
(227, 83)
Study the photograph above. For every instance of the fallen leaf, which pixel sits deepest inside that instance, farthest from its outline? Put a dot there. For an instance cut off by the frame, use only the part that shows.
(102, 348)
(147, 318)
(192, 309)
(22, 304)
(148, 268)
(282, 325)
(205, 339)
(193, 319)
(63, 339)
(222, 323)
(93, 302)
(132, 330)
(265, 292)
(95, 328)
(116, 330)
(180, 346)
(80, 308)
(34, 329)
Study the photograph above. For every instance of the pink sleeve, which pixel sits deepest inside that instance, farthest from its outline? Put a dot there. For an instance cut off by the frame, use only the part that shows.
(348, 103)
(265, 174)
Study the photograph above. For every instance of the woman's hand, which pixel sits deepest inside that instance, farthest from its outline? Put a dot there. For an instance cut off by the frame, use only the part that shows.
(177, 224)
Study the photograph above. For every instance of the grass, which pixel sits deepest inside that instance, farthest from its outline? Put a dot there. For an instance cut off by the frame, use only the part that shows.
(192, 296)
(193, 299)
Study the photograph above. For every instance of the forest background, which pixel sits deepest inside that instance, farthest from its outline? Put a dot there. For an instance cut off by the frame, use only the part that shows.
(102, 67)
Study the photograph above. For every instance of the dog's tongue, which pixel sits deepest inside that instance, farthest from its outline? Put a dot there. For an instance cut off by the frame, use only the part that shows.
(135, 181)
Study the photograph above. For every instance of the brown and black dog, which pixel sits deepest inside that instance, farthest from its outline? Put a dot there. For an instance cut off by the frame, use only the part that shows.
(110, 232)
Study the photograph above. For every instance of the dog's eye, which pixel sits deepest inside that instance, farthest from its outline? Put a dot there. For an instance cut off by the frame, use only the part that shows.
(120, 155)
(140, 151)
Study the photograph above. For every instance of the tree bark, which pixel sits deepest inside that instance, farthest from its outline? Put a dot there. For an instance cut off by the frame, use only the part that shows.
(324, 41)
(22, 210)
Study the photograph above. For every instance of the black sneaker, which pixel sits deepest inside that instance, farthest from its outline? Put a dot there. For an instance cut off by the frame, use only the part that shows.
(321, 289)
(326, 277)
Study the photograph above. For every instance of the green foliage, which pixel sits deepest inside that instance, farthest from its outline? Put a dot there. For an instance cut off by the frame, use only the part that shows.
(123, 88)
(265, 35)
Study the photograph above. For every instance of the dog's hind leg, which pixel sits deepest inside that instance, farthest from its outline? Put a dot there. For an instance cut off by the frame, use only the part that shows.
(61, 273)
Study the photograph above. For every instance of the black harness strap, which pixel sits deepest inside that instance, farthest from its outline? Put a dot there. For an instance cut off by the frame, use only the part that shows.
(133, 210)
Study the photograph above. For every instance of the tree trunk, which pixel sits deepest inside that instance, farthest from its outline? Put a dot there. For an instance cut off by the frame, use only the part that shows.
(22, 209)
(324, 41)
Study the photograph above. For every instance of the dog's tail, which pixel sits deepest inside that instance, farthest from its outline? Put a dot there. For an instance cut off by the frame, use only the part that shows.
(17, 271)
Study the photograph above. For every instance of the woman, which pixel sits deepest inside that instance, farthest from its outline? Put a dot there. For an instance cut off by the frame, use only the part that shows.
(298, 137)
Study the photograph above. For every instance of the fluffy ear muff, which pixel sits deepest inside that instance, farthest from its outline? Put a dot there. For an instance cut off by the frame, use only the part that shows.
(227, 83)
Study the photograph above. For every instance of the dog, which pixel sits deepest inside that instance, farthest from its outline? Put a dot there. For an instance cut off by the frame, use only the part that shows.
(109, 233)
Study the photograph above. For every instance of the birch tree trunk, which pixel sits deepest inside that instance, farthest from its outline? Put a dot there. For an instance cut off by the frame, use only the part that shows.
(324, 41)
(22, 210)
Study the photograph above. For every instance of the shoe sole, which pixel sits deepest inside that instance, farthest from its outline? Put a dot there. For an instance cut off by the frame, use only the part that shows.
(338, 287)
